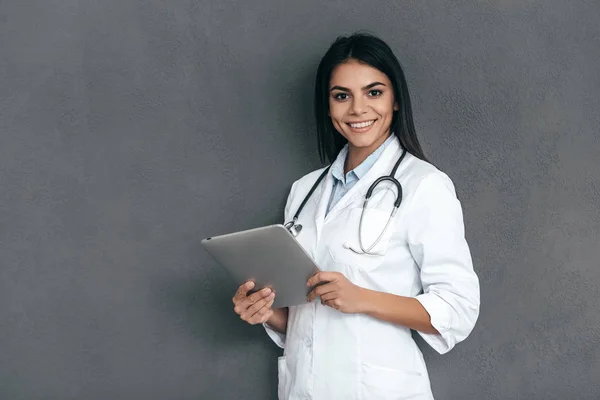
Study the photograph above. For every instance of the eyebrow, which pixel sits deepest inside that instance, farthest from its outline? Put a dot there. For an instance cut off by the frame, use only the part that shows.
(369, 86)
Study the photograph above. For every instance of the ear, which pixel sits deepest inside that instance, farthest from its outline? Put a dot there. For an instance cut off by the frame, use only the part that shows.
(396, 106)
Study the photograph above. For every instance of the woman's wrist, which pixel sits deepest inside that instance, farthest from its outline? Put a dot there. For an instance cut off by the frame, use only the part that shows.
(278, 321)
(368, 301)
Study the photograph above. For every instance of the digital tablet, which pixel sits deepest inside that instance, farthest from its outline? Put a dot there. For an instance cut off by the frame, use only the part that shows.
(269, 256)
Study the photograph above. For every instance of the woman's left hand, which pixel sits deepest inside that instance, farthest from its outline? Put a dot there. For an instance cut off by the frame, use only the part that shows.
(337, 292)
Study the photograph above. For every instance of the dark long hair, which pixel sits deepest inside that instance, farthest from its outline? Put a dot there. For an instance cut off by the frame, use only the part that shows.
(370, 50)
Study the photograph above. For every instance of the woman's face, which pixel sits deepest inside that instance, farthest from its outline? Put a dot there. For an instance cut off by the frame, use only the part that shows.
(361, 105)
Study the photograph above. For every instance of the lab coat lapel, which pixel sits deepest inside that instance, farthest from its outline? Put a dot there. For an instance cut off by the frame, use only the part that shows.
(383, 166)
(323, 194)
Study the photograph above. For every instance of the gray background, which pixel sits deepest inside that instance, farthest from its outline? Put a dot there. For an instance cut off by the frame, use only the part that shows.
(129, 130)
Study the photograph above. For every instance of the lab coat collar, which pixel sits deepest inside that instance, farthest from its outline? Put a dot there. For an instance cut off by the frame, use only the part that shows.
(337, 168)
(364, 167)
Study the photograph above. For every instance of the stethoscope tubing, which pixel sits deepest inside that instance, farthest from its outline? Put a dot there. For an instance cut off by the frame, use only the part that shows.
(295, 228)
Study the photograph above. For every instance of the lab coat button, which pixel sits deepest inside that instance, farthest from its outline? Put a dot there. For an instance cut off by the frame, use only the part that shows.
(308, 342)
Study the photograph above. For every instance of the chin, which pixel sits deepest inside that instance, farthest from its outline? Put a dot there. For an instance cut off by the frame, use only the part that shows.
(362, 142)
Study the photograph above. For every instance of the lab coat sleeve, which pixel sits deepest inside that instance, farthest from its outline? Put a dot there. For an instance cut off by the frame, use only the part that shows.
(277, 337)
(436, 237)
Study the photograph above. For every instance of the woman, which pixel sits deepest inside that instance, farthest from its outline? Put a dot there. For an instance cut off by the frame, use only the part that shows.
(352, 339)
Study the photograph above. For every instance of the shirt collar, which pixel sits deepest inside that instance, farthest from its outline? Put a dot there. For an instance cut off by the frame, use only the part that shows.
(337, 168)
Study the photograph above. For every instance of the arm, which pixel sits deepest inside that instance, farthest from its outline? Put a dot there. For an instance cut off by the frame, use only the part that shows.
(445, 313)
(338, 292)
(400, 310)
(436, 239)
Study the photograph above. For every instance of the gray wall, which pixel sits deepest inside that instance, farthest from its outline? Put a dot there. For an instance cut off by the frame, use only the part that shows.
(129, 130)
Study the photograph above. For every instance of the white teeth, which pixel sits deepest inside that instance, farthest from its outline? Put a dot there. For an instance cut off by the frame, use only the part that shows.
(362, 124)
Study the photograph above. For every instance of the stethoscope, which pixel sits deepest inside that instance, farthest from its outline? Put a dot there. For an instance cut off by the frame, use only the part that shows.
(295, 228)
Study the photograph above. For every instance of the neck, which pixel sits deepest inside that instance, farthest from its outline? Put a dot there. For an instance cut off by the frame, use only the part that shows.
(356, 155)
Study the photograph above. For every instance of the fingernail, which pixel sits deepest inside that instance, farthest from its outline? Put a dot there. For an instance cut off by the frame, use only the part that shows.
(271, 296)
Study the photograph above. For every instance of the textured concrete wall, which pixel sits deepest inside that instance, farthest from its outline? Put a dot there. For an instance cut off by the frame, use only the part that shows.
(131, 129)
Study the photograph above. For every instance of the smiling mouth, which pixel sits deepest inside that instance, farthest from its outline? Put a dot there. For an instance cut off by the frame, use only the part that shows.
(360, 125)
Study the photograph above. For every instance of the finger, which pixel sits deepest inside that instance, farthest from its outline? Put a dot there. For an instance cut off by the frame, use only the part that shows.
(253, 316)
(321, 290)
(240, 304)
(264, 313)
(263, 318)
(254, 308)
(335, 303)
(242, 291)
(323, 276)
(314, 274)
(240, 308)
(254, 297)
(329, 296)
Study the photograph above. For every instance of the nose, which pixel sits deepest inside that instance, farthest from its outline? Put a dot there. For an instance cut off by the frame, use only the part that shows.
(358, 107)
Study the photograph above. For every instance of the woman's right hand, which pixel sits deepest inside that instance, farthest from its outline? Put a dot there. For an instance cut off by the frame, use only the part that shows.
(256, 308)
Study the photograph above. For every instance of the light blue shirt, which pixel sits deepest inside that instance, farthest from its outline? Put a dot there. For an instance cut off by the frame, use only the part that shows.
(342, 184)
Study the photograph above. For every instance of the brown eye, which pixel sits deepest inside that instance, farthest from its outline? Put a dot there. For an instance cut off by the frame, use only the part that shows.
(341, 96)
(374, 93)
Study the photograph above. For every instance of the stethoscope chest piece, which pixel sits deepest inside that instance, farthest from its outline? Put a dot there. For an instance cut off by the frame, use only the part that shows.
(294, 228)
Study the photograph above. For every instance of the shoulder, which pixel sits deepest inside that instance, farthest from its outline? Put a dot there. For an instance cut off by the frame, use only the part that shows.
(300, 189)
(302, 185)
(432, 206)
(422, 177)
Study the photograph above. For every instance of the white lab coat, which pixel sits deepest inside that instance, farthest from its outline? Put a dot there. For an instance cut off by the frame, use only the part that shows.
(330, 355)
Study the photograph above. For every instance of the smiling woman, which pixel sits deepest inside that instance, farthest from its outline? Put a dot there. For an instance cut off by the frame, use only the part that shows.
(355, 341)
(361, 107)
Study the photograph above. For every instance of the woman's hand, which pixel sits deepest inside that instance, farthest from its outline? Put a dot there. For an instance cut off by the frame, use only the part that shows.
(256, 308)
(337, 291)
